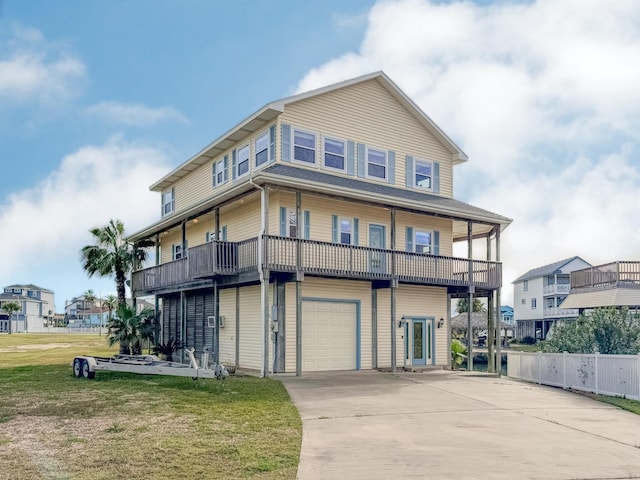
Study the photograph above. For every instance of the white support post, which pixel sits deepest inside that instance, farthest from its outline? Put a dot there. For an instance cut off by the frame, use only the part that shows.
(597, 354)
(564, 370)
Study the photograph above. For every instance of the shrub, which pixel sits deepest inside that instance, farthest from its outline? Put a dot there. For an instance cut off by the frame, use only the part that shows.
(528, 340)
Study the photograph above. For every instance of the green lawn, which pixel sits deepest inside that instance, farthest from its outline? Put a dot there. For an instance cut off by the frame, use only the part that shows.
(123, 426)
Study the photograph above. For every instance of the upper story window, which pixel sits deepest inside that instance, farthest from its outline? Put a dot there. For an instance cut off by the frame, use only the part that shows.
(304, 146)
(423, 174)
(176, 252)
(422, 241)
(523, 301)
(219, 172)
(376, 163)
(262, 149)
(525, 285)
(243, 161)
(168, 201)
(334, 154)
(534, 303)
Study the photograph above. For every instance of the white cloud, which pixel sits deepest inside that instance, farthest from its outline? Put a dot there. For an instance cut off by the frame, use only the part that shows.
(33, 70)
(543, 98)
(48, 224)
(136, 115)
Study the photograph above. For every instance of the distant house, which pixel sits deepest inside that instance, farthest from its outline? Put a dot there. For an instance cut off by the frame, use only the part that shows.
(538, 295)
(506, 312)
(37, 306)
(615, 284)
(80, 312)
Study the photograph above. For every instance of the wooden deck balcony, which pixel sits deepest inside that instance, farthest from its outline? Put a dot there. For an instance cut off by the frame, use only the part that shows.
(281, 254)
(621, 274)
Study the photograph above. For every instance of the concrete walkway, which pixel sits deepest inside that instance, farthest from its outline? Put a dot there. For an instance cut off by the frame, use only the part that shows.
(446, 425)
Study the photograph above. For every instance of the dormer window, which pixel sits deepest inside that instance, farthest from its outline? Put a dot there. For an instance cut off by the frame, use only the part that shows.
(262, 149)
(376, 163)
(243, 161)
(168, 202)
(423, 174)
(334, 154)
(304, 147)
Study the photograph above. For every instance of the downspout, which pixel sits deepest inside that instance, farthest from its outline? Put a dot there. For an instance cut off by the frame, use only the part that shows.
(263, 286)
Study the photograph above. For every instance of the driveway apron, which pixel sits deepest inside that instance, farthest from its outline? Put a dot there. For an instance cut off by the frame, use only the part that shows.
(446, 425)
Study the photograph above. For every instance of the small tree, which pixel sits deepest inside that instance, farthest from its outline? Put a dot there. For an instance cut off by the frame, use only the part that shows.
(605, 330)
(130, 329)
(463, 306)
(10, 308)
(458, 353)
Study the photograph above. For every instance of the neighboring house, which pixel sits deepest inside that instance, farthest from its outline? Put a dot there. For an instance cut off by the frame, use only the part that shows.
(37, 306)
(508, 321)
(506, 313)
(538, 294)
(80, 312)
(317, 235)
(615, 284)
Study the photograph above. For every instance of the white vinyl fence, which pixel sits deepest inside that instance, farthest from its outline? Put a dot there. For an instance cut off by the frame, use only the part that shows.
(95, 330)
(617, 375)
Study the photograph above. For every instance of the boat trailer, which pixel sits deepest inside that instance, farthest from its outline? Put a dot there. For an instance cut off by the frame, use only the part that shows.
(85, 366)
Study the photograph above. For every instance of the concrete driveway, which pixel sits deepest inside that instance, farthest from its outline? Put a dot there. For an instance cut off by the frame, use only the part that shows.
(446, 425)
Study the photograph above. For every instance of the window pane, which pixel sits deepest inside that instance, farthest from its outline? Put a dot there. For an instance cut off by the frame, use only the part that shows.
(243, 154)
(262, 157)
(376, 171)
(304, 154)
(423, 242)
(423, 174)
(345, 232)
(304, 139)
(377, 163)
(334, 161)
(243, 167)
(334, 146)
(262, 143)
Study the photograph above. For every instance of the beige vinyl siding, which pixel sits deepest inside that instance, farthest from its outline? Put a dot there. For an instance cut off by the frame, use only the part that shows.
(228, 333)
(329, 289)
(166, 241)
(250, 328)
(242, 219)
(418, 301)
(197, 186)
(424, 222)
(367, 113)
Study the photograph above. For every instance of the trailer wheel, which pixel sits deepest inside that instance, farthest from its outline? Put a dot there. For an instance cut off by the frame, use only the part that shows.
(77, 368)
(86, 372)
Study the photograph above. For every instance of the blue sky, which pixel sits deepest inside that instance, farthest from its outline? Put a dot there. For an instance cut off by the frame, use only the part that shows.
(100, 99)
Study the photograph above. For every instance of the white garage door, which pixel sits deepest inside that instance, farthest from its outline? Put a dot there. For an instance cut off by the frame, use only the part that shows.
(328, 336)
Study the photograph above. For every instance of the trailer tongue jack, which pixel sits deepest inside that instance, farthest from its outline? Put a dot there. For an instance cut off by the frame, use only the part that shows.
(85, 366)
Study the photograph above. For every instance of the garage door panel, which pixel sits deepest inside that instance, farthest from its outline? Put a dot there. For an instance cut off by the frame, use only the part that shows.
(329, 338)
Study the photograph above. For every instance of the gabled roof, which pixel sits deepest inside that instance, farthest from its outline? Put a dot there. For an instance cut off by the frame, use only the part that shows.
(269, 112)
(29, 286)
(547, 269)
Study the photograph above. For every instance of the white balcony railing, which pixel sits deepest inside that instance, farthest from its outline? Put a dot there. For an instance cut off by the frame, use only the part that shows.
(556, 288)
(560, 312)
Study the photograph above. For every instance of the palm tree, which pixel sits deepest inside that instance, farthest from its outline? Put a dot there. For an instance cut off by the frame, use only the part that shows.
(10, 308)
(130, 329)
(111, 302)
(90, 298)
(463, 305)
(112, 255)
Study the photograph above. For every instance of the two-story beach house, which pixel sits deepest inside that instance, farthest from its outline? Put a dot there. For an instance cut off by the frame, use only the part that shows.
(37, 307)
(317, 235)
(538, 297)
